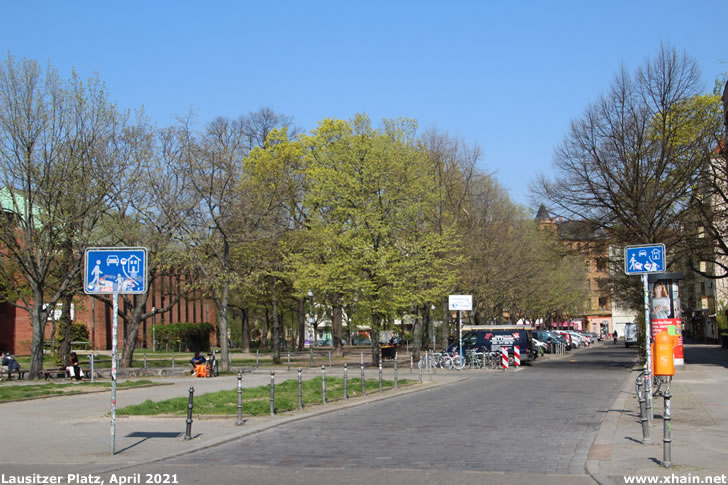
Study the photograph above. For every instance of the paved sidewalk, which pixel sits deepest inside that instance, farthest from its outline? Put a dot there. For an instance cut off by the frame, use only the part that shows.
(699, 427)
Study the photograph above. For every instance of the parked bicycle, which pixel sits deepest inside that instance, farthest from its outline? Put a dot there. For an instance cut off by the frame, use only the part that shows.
(211, 365)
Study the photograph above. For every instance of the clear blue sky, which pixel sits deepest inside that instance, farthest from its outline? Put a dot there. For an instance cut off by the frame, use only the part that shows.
(507, 76)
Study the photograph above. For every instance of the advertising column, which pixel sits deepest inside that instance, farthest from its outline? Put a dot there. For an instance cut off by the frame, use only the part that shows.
(665, 313)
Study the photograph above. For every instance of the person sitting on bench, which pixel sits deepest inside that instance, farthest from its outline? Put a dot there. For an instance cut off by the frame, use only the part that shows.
(73, 368)
(198, 359)
(10, 364)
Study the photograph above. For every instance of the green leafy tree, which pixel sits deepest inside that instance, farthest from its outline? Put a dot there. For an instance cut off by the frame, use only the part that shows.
(368, 197)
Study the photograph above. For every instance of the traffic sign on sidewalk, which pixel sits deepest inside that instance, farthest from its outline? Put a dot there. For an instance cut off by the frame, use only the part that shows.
(115, 270)
(644, 259)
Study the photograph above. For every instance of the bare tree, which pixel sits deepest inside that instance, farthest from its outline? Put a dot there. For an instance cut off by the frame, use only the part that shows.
(625, 164)
(65, 151)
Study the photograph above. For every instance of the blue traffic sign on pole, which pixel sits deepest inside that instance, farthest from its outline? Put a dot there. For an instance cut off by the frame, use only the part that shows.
(644, 259)
(115, 270)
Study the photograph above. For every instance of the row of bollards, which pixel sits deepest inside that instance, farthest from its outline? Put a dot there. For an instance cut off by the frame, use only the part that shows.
(642, 390)
(240, 421)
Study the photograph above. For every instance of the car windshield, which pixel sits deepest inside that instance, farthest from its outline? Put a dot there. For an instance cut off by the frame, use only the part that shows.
(470, 339)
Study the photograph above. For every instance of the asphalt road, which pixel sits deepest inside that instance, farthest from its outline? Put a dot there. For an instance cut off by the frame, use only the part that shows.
(534, 425)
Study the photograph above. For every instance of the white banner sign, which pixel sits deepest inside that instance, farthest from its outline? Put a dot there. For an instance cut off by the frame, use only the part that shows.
(460, 302)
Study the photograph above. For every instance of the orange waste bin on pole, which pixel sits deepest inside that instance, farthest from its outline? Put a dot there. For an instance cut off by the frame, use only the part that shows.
(664, 364)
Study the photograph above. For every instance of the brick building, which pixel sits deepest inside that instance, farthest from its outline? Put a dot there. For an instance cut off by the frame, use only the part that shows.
(97, 316)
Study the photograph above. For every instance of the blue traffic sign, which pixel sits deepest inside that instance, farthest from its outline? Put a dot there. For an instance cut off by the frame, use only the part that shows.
(115, 270)
(648, 258)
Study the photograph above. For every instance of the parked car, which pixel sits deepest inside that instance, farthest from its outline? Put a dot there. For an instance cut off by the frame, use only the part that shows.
(579, 339)
(550, 338)
(567, 337)
(596, 337)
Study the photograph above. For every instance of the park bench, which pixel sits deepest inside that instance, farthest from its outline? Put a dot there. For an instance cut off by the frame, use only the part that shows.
(54, 373)
(19, 372)
(61, 373)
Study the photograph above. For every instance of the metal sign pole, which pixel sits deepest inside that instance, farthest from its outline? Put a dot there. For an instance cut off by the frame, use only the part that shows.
(648, 349)
(113, 373)
(460, 330)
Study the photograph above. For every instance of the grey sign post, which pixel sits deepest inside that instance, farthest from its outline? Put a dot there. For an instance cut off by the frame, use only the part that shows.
(460, 303)
(643, 260)
(114, 272)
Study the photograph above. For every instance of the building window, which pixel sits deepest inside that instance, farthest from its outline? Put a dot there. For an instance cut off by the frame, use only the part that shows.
(601, 265)
(587, 265)
(603, 302)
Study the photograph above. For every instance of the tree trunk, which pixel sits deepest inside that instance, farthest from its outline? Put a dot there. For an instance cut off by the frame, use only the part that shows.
(276, 330)
(445, 327)
(266, 329)
(336, 327)
(245, 344)
(301, 323)
(376, 322)
(222, 311)
(65, 325)
(418, 337)
(38, 320)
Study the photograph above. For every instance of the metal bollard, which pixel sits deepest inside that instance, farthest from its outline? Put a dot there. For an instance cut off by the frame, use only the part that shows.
(648, 396)
(396, 356)
(323, 384)
(412, 363)
(643, 411)
(173, 360)
(329, 359)
(363, 382)
(257, 358)
(380, 376)
(667, 428)
(240, 421)
(361, 358)
(145, 360)
(289, 361)
(91, 365)
(188, 430)
(346, 382)
(300, 389)
(272, 393)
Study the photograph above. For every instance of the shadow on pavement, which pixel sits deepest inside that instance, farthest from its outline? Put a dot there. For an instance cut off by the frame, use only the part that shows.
(710, 354)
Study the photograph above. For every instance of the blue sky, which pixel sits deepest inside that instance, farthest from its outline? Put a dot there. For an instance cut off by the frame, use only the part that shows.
(507, 76)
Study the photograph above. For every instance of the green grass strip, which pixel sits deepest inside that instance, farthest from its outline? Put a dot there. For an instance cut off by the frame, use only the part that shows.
(16, 392)
(256, 400)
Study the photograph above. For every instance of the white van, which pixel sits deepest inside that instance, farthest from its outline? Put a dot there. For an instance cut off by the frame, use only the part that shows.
(630, 334)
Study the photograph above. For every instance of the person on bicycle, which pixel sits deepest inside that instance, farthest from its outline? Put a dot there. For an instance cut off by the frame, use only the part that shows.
(198, 359)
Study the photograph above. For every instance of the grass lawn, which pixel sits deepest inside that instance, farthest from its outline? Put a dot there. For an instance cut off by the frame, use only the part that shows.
(13, 392)
(256, 400)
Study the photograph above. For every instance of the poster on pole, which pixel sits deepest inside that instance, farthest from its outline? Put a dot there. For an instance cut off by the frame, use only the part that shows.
(665, 313)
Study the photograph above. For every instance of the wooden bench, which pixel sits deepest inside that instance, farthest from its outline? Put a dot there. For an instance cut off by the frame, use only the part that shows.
(61, 373)
(20, 372)
(56, 373)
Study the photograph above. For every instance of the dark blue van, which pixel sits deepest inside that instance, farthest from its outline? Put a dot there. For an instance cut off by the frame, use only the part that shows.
(493, 338)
